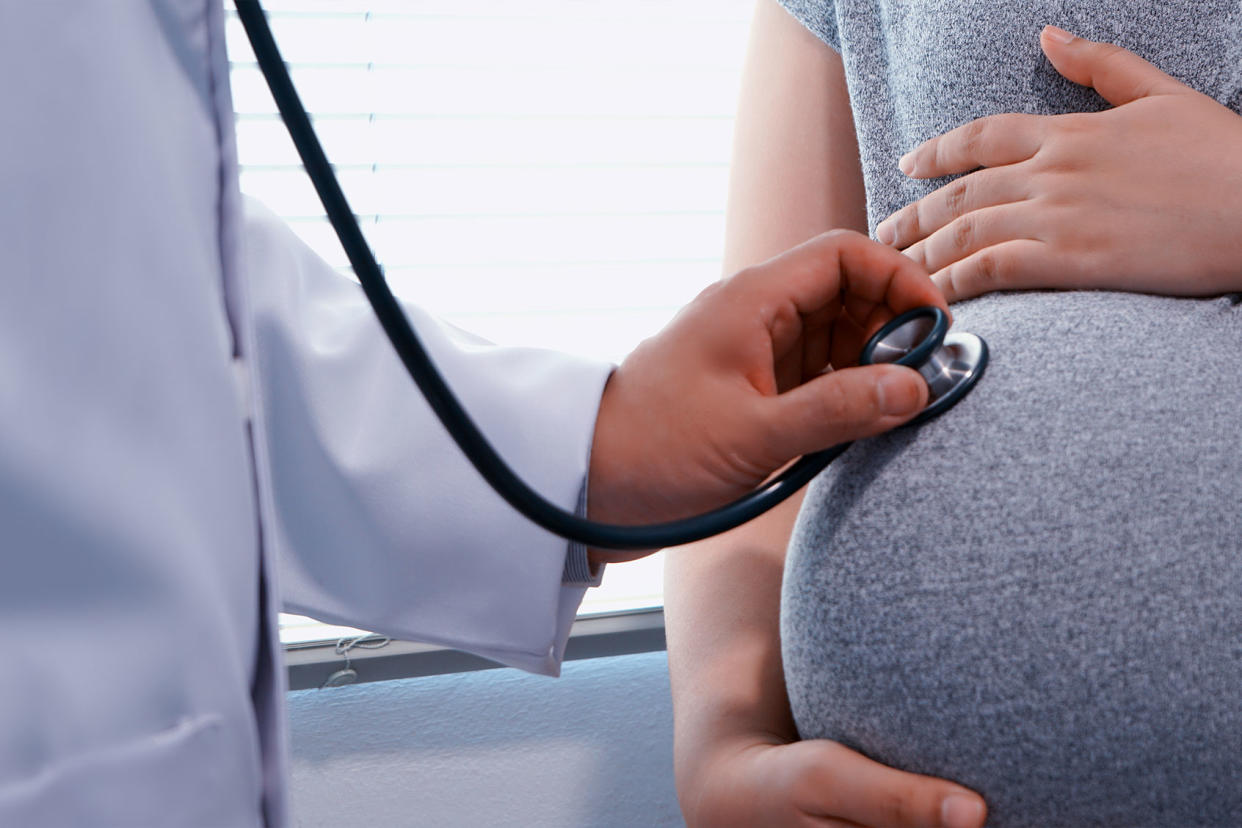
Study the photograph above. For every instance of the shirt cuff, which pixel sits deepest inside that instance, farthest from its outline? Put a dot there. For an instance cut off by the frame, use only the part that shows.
(577, 570)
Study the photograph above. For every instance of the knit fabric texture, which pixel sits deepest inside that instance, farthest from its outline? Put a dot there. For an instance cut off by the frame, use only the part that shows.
(1039, 594)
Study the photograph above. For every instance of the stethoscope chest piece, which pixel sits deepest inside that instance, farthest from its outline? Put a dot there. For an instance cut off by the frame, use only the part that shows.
(951, 363)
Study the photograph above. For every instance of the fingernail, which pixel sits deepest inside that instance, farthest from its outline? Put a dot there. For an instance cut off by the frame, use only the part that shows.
(898, 392)
(906, 163)
(884, 233)
(1059, 35)
(961, 811)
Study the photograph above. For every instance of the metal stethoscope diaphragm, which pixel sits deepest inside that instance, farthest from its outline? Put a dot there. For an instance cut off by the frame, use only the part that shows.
(951, 364)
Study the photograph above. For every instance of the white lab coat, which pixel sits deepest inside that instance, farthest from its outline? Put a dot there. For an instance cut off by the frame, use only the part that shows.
(190, 414)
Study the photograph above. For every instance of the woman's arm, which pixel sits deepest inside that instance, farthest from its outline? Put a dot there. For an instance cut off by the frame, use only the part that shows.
(795, 174)
(795, 170)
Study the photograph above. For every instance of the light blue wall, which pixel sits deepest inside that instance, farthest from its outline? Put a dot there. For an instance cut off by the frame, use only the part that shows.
(496, 747)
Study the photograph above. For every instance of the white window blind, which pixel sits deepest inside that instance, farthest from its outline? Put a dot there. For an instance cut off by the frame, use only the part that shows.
(546, 173)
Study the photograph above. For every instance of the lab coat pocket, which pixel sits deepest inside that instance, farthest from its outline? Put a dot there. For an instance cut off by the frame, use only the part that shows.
(182, 776)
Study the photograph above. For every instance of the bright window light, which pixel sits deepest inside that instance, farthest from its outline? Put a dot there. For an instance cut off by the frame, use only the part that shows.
(549, 173)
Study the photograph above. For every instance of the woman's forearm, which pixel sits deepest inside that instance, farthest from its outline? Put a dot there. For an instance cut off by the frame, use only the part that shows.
(722, 599)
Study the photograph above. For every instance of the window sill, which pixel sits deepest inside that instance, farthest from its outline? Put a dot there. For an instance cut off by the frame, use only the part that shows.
(319, 664)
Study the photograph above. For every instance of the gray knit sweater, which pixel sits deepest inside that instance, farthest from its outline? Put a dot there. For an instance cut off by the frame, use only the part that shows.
(1040, 594)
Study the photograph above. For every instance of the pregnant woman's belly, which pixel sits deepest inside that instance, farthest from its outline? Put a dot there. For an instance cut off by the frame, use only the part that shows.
(1039, 595)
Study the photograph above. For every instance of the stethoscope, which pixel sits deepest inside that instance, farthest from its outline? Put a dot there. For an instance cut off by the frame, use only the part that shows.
(950, 363)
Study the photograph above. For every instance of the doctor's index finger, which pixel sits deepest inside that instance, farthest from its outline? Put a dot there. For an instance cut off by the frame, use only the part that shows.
(846, 266)
(882, 282)
(993, 141)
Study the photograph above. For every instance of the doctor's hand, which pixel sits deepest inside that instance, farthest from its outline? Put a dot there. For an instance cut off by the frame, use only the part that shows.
(734, 387)
(1146, 196)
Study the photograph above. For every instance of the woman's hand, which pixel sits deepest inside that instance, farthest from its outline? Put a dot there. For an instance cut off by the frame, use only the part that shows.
(821, 783)
(1146, 196)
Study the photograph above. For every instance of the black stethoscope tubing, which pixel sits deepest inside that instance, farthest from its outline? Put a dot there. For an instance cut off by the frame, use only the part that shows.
(441, 398)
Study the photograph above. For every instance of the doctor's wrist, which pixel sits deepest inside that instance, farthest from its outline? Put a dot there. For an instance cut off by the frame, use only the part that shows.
(620, 486)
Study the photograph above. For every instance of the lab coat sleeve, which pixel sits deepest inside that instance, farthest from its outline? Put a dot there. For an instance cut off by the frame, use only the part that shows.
(376, 517)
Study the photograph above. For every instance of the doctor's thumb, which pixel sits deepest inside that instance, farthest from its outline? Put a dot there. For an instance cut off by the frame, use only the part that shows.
(844, 405)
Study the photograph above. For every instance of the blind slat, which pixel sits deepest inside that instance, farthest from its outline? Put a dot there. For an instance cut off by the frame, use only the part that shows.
(642, 38)
(512, 191)
(551, 142)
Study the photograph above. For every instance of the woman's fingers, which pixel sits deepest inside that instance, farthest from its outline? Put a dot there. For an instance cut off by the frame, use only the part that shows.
(972, 232)
(1013, 265)
(985, 188)
(987, 142)
(818, 783)
(842, 785)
